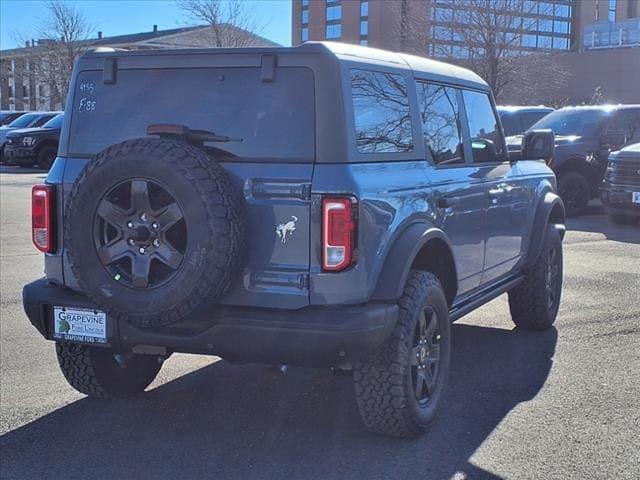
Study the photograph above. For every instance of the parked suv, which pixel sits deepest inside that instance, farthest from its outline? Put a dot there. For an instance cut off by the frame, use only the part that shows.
(585, 136)
(518, 119)
(8, 116)
(620, 190)
(28, 120)
(324, 205)
(34, 146)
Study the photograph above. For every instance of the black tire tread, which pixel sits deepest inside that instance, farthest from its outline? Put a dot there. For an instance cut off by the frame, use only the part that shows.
(86, 370)
(527, 301)
(379, 380)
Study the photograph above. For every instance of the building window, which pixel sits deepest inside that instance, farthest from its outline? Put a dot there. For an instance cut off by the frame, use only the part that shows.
(10, 91)
(364, 28)
(304, 17)
(25, 90)
(41, 91)
(442, 14)
(333, 31)
(305, 34)
(364, 8)
(381, 112)
(545, 41)
(334, 12)
(612, 10)
(561, 43)
(305, 3)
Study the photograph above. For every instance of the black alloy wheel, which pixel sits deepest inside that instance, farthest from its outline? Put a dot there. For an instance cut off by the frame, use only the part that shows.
(553, 277)
(425, 356)
(140, 234)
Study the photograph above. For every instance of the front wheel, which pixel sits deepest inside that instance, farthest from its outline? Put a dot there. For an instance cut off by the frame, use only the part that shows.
(535, 301)
(399, 384)
(574, 190)
(95, 372)
(46, 156)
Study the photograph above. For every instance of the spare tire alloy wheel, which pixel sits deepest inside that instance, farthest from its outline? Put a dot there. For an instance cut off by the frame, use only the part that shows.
(154, 230)
(140, 234)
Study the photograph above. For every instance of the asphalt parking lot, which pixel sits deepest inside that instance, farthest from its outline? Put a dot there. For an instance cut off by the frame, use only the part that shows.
(564, 403)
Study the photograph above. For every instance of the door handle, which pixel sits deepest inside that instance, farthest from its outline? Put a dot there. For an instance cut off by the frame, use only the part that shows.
(494, 192)
(446, 202)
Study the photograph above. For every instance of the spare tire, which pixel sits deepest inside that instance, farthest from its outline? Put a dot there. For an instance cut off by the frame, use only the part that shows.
(154, 231)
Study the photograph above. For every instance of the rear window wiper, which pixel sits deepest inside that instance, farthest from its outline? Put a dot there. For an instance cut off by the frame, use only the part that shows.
(196, 137)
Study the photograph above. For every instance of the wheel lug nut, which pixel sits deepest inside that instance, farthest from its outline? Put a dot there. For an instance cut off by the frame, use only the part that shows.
(156, 242)
(142, 250)
(154, 225)
(129, 224)
(130, 241)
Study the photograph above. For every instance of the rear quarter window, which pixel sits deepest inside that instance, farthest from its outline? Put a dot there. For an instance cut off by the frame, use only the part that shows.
(381, 112)
(275, 120)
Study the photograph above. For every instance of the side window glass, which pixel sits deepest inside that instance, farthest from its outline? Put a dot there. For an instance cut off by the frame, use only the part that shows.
(486, 142)
(631, 124)
(41, 121)
(381, 110)
(439, 115)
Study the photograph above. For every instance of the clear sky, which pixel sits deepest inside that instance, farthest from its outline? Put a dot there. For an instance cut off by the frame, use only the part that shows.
(116, 17)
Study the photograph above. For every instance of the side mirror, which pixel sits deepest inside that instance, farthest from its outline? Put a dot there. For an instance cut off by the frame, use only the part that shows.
(538, 144)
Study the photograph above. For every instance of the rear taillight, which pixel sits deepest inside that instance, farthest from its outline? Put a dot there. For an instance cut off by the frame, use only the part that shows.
(338, 233)
(41, 217)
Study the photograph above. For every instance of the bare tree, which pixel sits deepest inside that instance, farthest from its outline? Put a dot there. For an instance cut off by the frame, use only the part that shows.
(60, 41)
(484, 35)
(228, 21)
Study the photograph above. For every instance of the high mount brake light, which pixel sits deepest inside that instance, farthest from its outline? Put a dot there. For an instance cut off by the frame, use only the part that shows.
(41, 217)
(338, 233)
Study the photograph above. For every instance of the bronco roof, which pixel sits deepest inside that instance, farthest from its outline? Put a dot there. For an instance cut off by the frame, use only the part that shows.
(342, 52)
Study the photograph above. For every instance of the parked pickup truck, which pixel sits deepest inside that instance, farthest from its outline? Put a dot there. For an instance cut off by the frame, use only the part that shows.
(323, 205)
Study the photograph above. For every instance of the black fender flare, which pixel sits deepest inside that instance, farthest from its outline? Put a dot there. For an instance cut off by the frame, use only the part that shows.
(401, 255)
(550, 210)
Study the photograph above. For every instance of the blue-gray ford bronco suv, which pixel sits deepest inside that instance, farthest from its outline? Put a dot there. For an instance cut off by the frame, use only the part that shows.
(324, 205)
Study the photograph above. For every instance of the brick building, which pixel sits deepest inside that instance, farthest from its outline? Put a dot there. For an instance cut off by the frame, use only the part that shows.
(568, 29)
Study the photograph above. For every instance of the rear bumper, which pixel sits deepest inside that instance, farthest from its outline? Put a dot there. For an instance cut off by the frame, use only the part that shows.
(311, 336)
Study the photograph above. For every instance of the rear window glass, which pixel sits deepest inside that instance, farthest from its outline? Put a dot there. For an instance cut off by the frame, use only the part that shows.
(381, 110)
(275, 120)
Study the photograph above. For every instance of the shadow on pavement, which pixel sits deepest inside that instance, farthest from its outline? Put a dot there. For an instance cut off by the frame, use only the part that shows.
(17, 170)
(227, 421)
(595, 220)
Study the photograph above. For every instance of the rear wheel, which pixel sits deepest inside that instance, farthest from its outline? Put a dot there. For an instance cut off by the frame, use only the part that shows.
(574, 190)
(399, 384)
(46, 156)
(95, 372)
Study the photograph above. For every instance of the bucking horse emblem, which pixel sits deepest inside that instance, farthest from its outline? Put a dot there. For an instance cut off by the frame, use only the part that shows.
(285, 230)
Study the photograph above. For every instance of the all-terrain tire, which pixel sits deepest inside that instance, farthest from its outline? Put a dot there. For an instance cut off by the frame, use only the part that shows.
(575, 191)
(384, 385)
(213, 212)
(534, 302)
(95, 372)
(46, 156)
